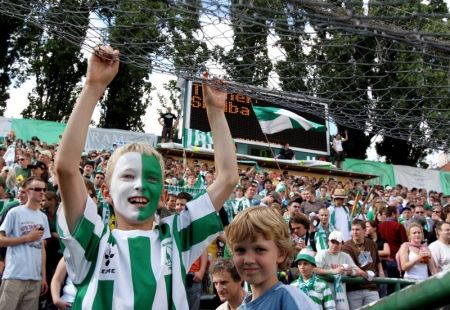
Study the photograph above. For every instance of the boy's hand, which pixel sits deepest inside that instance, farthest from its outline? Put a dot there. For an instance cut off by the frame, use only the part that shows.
(213, 94)
(102, 67)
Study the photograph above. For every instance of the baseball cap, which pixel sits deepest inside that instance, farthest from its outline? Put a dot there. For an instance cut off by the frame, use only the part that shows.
(336, 235)
(46, 153)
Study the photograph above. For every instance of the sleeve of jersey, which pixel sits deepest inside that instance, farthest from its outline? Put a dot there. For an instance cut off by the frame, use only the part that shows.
(197, 228)
(81, 247)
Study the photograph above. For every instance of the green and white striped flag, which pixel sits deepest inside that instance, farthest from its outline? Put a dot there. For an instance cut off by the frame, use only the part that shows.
(197, 138)
(273, 120)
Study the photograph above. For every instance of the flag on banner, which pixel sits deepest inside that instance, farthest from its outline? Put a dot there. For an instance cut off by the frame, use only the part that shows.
(194, 137)
(273, 120)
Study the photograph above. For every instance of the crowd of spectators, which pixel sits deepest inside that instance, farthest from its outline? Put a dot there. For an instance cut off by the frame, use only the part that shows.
(337, 227)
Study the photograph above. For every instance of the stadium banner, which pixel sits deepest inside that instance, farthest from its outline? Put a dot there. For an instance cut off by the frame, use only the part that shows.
(417, 177)
(385, 172)
(47, 131)
(445, 182)
(109, 139)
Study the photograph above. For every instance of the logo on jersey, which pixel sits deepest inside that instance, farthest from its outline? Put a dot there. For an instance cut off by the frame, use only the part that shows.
(167, 253)
(108, 262)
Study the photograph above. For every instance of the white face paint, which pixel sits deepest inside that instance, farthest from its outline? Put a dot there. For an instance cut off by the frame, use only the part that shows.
(136, 186)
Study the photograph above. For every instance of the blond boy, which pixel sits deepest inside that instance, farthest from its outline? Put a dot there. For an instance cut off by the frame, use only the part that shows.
(259, 240)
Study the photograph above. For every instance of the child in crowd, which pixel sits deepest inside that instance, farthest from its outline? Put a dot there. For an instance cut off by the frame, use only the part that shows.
(316, 288)
(259, 240)
(138, 265)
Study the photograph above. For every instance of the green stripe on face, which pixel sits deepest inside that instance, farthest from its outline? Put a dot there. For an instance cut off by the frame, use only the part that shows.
(199, 230)
(151, 185)
(104, 296)
(144, 281)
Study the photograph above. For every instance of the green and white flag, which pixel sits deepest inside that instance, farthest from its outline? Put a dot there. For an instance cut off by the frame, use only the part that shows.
(197, 138)
(273, 120)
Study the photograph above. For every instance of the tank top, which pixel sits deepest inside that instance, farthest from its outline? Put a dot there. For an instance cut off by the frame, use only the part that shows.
(417, 272)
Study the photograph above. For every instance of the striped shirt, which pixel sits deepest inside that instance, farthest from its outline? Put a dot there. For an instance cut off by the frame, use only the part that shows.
(321, 236)
(136, 269)
(320, 293)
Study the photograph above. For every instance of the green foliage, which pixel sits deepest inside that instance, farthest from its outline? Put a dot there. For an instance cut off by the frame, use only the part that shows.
(169, 35)
(57, 66)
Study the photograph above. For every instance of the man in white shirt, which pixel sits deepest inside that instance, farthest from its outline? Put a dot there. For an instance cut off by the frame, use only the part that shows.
(440, 249)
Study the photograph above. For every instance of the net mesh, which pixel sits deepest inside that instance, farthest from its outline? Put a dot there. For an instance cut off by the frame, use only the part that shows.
(380, 66)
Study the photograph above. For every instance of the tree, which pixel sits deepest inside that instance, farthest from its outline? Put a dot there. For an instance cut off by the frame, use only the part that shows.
(17, 40)
(57, 65)
(169, 33)
(248, 61)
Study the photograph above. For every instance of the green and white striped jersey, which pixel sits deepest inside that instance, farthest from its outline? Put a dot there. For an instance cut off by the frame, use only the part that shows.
(136, 269)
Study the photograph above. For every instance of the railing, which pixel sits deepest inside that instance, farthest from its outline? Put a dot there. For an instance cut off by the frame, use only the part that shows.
(398, 283)
(428, 294)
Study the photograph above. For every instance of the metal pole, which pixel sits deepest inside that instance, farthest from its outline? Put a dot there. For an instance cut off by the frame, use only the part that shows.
(431, 293)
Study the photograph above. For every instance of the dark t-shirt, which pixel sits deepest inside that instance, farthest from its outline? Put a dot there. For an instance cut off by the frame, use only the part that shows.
(168, 119)
(394, 234)
(286, 154)
(365, 257)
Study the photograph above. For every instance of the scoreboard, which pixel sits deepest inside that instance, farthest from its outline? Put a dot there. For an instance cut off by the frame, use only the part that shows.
(244, 124)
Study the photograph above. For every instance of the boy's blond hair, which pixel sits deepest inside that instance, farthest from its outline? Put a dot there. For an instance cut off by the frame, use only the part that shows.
(261, 221)
(139, 147)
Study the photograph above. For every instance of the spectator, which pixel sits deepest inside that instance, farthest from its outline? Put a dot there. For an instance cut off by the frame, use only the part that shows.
(45, 156)
(316, 288)
(250, 198)
(286, 153)
(169, 121)
(61, 282)
(88, 169)
(364, 253)
(228, 284)
(171, 202)
(293, 206)
(299, 228)
(23, 231)
(153, 257)
(395, 234)
(260, 243)
(339, 156)
(440, 249)
(406, 215)
(335, 262)
(22, 171)
(383, 250)
(415, 258)
(339, 213)
(310, 205)
(182, 199)
(324, 229)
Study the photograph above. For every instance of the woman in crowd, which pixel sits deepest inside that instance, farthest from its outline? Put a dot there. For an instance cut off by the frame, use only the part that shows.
(415, 257)
(383, 250)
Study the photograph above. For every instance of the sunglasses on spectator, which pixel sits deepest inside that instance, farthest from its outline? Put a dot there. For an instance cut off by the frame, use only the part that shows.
(21, 159)
(419, 212)
(38, 189)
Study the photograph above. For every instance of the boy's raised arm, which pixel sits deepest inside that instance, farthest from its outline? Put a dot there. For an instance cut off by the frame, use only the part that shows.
(102, 68)
(224, 148)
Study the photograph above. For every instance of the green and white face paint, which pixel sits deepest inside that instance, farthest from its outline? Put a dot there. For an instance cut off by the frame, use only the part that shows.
(136, 186)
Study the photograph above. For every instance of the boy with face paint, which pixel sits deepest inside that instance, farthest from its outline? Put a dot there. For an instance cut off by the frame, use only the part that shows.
(139, 265)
